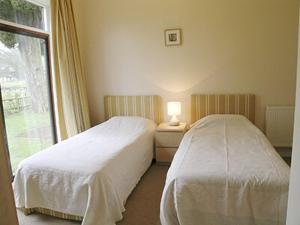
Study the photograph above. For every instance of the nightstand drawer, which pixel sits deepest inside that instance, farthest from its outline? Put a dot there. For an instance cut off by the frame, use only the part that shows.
(168, 139)
(165, 154)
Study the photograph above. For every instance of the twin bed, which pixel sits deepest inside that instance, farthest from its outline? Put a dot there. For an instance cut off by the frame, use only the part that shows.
(225, 171)
(89, 176)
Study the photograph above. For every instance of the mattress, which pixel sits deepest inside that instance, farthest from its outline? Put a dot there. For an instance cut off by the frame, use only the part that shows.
(225, 172)
(90, 175)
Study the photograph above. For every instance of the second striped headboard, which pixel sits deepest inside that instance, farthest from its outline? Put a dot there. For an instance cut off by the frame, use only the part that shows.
(144, 106)
(203, 105)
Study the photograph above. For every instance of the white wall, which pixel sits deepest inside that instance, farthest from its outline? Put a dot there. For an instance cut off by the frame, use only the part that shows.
(232, 46)
(293, 217)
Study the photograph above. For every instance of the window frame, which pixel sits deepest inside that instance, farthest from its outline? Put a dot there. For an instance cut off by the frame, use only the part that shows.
(45, 35)
(46, 8)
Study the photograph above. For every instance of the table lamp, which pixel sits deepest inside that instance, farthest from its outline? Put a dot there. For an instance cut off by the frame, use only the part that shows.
(174, 109)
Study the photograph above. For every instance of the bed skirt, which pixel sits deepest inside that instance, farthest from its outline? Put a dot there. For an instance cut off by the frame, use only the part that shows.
(28, 211)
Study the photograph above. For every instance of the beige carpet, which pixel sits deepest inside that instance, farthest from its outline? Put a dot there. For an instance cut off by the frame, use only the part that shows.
(142, 207)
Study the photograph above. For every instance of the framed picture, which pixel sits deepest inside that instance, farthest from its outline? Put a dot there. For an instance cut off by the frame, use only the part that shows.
(172, 37)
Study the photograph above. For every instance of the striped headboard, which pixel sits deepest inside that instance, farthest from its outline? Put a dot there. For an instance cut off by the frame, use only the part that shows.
(144, 106)
(203, 105)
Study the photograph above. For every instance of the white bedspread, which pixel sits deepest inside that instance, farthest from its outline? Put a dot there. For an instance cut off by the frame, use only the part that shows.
(90, 174)
(225, 173)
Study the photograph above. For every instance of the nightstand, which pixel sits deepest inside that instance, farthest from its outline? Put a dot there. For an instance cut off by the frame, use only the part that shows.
(167, 141)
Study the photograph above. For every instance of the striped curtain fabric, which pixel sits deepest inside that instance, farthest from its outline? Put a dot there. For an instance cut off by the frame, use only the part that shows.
(204, 105)
(144, 106)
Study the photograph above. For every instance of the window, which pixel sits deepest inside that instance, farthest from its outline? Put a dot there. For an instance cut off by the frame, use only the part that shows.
(25, 79)
(32, 13)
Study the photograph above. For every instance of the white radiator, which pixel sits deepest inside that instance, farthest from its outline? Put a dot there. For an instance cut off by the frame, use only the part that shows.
(280, 125)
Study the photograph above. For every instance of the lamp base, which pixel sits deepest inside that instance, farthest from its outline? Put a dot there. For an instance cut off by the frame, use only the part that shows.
(174, 121)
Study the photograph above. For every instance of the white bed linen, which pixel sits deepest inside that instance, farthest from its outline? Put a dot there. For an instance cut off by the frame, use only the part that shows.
(225, 173)
(90, 174)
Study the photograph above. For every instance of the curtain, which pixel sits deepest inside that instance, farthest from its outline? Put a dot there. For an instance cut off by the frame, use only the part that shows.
(70, 83)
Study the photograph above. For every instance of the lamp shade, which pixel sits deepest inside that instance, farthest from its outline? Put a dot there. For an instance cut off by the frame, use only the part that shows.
(174, 108)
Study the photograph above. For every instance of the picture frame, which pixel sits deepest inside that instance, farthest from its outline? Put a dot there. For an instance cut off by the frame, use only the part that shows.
(173, 37)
